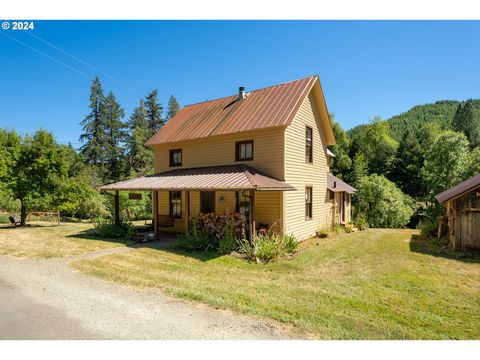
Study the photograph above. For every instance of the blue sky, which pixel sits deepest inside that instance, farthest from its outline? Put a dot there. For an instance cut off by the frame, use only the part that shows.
(367, 68)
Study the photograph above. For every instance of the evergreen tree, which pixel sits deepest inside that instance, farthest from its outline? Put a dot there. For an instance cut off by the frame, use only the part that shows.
(466, 120)
(115, 136)
(140, 160)
(94, 138)
(173, 107)
(408, 164)
(154, 114)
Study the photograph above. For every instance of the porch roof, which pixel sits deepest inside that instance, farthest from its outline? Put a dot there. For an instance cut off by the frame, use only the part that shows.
(228, 177)
(336, 185)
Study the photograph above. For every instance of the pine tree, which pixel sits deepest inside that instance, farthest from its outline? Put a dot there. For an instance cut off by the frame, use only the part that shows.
(154, 113)
(467, 121)
(140, 160)
(115, 137)
(94, 137)
(408, 164)
(173, 108)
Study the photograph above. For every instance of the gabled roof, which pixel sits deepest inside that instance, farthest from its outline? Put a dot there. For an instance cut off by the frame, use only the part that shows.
(274, 106)
(228, 177)
(459, 190)
(336, 185)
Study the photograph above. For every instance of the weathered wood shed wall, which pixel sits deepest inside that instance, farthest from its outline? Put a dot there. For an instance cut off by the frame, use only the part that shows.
(464, 221)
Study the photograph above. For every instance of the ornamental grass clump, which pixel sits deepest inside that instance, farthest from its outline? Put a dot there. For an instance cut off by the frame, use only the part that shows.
(266, 248)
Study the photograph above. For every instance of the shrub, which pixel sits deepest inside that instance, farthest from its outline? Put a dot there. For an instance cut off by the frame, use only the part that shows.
(228, 242)
(323, 232)
(105, 228)
(195, 239)
(361, 222)
(384, 204)
(429, 228)
(4, 219)
(215, 225)
(348, 228)
(265, 248)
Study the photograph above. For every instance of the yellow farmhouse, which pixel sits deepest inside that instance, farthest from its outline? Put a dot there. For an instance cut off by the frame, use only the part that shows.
(263, 154)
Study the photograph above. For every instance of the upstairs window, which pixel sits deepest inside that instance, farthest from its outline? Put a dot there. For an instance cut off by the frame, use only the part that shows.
(308, 203)
(308, 145)
(176, 157)
(176, 204)
(244, 150)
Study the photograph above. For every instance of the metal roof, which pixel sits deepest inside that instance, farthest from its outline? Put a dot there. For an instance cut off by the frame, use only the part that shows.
(269, 107)
(336, 185)
(228, 177)
(459, 189)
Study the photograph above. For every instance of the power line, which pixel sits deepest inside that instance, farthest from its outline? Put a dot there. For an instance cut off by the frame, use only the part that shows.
(47, 56)
(77, 59)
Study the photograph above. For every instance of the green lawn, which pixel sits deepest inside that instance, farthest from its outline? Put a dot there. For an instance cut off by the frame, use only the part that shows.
(43, 240)
(377, 284)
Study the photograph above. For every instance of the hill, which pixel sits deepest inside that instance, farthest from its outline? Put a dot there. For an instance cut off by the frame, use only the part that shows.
(441, 112)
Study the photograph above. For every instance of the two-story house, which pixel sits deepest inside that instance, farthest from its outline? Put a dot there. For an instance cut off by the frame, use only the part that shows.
(262, 154)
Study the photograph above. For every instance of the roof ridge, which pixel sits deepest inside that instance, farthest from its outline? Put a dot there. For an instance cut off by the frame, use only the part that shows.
(249, 176)
(259, 89)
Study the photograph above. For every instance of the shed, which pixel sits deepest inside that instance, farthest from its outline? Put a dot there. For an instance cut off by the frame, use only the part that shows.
(462, 210)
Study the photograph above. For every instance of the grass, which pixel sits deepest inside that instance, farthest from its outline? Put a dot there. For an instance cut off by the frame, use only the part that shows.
(376, 284)
(43, 240)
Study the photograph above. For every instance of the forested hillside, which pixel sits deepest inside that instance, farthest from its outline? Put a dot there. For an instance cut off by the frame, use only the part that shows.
(422, 152)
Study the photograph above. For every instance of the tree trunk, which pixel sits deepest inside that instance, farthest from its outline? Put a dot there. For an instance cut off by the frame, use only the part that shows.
(23, 214)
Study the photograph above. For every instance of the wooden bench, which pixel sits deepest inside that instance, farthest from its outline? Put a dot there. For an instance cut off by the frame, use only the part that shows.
(165, 221)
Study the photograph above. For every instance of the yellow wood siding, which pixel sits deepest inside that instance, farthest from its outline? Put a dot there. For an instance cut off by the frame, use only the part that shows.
(301, 174)
(164, 209)
(268, 209)
(268, 150)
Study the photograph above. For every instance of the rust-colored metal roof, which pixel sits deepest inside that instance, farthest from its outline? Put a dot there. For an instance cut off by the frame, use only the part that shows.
(459, 190)
(273, 106)
(336, 185)
(228, 177)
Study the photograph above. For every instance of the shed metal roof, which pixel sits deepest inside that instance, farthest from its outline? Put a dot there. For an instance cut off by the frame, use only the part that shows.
(459, 189)
(228, 177)
(274, 106)
(336, 185)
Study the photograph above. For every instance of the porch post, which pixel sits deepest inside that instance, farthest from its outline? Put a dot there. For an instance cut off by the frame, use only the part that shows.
(155, 213)
(117, 208)
(188, 210)
(251, 216)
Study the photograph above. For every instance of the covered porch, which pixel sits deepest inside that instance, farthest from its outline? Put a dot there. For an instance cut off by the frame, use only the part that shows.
(181, 195)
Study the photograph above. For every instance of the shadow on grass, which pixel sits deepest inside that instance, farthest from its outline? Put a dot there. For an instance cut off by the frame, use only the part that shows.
(87, 235)
(430, 247)
(202, 256)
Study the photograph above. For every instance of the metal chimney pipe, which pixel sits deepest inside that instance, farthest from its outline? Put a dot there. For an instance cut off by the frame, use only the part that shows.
(241, 93)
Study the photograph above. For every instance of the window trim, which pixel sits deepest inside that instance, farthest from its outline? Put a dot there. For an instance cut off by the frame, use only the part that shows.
(171, 152)
(170, 210)
(237, 148)
(310, 153)
(310, 204)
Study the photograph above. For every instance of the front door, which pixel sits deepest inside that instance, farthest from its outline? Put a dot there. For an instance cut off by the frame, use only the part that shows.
(207, 202)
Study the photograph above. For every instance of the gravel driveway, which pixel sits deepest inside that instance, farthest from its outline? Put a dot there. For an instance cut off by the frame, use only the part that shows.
(46, 299)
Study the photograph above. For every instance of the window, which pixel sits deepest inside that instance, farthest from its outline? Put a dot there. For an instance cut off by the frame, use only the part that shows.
(308, 145)
(176, 157)
(176, 204)
(308, 203)
(244, 150)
